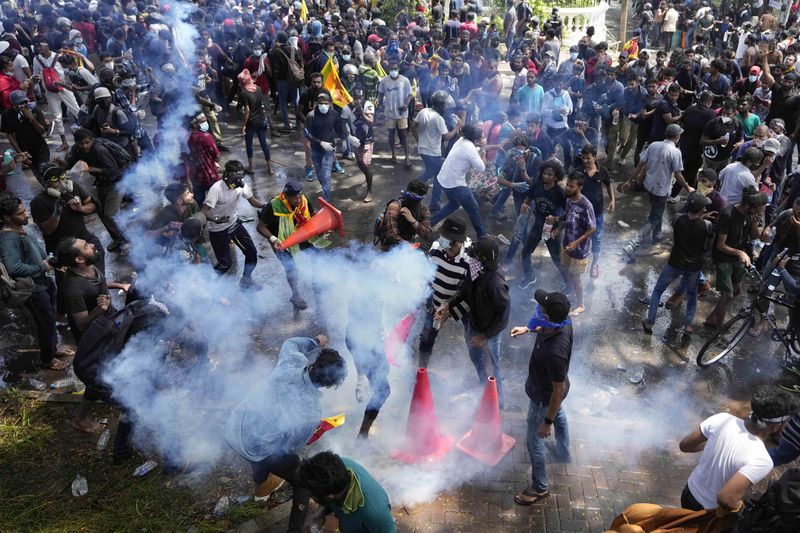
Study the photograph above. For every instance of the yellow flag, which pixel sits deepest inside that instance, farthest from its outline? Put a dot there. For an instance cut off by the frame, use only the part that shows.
(331, 82)
(379, 69)
(414, 87)
(326, 424)
(303, 10)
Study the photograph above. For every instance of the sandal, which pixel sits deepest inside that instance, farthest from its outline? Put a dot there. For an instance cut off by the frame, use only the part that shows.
(527, 497)
(393, 160)
(56, 364)
(595, 271)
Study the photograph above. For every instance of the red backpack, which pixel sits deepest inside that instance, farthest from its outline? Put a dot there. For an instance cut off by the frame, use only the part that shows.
(50, 77)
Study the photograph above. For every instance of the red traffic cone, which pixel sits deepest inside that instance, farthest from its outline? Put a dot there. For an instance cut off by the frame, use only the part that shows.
(326, 219)
(396, 339)
(423, 442)
(485, 441)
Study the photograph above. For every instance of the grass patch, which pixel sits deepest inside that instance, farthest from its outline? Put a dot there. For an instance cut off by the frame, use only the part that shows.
(40, 455)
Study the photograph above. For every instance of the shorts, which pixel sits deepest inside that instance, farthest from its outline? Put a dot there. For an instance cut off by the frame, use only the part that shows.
(399, 123)
(573, 265)
(364, 153)
(728, 275)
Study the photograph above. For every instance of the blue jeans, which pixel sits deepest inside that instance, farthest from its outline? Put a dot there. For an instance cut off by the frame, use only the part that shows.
(536, 416)
(652, 225)
(427, 338)
(433, 164)
(323, 165)
(597, 236)
(286, 91)
(436, 195)
(460, 197)
(256, 129)
(688, 287)
(502, 197)
(534, 237)
(478, 356)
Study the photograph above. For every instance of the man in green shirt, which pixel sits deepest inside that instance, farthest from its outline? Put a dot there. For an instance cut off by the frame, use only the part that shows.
(343, 487)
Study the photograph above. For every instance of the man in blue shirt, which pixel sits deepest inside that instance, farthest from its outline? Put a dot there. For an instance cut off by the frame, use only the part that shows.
(603, 99)
(634, 98)
(323, 126)
(667, 112)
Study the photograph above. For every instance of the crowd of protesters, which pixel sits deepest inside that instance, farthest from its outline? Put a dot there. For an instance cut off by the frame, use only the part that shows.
(701, 98)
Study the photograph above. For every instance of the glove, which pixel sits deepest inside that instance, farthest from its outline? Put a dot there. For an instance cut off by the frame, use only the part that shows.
(362, 388)
(217, 108)
(354, 142)
(328, 147)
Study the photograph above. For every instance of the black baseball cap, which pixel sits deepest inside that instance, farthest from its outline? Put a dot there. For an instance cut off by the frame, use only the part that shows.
(487, 252)
(696, 202)
(454, 228)
(555, 304)
(293, 187)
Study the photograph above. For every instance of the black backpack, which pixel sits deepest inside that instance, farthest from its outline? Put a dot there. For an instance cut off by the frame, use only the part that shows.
(777, 510)
(106, 336)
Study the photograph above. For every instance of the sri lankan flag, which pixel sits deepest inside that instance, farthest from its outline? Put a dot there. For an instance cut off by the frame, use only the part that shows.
(331, 82)
(303, 10)
(326, 424)
(379, 69)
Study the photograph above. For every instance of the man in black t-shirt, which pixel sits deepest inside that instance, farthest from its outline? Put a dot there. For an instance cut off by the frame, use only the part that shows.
(692, 235)
(279, 218)
(721, 136)
(737, 226)
(547, 386)
(26, 129)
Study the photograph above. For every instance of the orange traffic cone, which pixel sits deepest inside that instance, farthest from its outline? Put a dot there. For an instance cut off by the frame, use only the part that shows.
(423, 442)
(326, 219)
(396, 339)
(485, 441)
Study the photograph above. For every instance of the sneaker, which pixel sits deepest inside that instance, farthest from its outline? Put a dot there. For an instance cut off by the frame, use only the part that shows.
(249, 283)
(337, 168)
(527, 282)
(265, 489)
(673, 199)
(630, 253)
(310, 176)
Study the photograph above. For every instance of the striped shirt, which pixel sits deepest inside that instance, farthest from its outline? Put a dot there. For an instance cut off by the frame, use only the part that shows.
(450, 272)
(791, 432)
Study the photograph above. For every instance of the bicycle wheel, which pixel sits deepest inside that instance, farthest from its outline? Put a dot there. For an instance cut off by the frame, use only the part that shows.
(725, 340)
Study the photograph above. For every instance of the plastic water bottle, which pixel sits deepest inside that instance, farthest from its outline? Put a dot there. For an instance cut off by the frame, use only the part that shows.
(145, 468)
(222, 507)
(63, 383)
(36, 384)
(79, 486)
(547, 231)
(102, 442)
(8, 156)
(615, 117)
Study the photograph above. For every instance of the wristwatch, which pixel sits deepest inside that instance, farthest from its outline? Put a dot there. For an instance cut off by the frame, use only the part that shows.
(548, 421)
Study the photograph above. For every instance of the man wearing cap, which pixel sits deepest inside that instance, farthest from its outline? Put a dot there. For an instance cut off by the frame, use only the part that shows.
(278, 219)
(56, 93)
(485, 292)
(26, 127)
(406, 217)
(658, 164)
(547, 386)
(111, 121)
(322, 126)
(745, 173)
(734, 454)
(449, 255)
(692, 235)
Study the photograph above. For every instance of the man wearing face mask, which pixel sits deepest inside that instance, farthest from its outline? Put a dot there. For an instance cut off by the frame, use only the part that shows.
(202, 160)
(406, 217)
(111, 121)
(720, 137)
(394, 96)
(165, 93)
(486, 293)
(221, 208)
(323, 126)
(448, 253)
(565, 67)
(26, 127)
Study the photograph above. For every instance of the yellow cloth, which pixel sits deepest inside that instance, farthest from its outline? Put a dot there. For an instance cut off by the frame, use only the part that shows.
(354, 500)
(331, 82)
(651, 518)
(303, 10)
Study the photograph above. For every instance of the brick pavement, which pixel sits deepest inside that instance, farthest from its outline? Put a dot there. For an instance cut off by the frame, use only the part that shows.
(585, 495)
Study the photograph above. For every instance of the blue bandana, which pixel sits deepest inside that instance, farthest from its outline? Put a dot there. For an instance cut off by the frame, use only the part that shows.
(538, 320)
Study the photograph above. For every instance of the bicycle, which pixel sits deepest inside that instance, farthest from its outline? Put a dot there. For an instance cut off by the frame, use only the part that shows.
(731, 333)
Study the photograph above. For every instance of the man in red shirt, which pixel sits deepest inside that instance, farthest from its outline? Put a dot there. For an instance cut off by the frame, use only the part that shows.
(202, 161)
(87, 29)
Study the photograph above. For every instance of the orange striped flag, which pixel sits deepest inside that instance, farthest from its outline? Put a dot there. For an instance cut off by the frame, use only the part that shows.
(326, 424)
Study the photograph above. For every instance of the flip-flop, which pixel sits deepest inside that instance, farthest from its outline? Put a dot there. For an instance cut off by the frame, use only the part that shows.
(57, 364)
(529, 498)
(793, 388)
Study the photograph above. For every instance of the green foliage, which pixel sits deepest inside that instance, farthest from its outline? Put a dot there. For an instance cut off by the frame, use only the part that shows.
(390, 9)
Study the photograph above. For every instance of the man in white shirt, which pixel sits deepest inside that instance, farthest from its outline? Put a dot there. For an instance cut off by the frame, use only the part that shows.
(469, 152)
(47, 59)
(430, 130)
(658, 164)
(669, 26)
(221, 208)
(394, 96)
(734, 455)
(740, 174)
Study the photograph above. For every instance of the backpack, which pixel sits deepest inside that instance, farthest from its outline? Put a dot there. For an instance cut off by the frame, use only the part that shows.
(776, 511)
(297, 74)
(50, 78)
(14, 292)
(379, 228)
(121, 156)
(106, 336)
